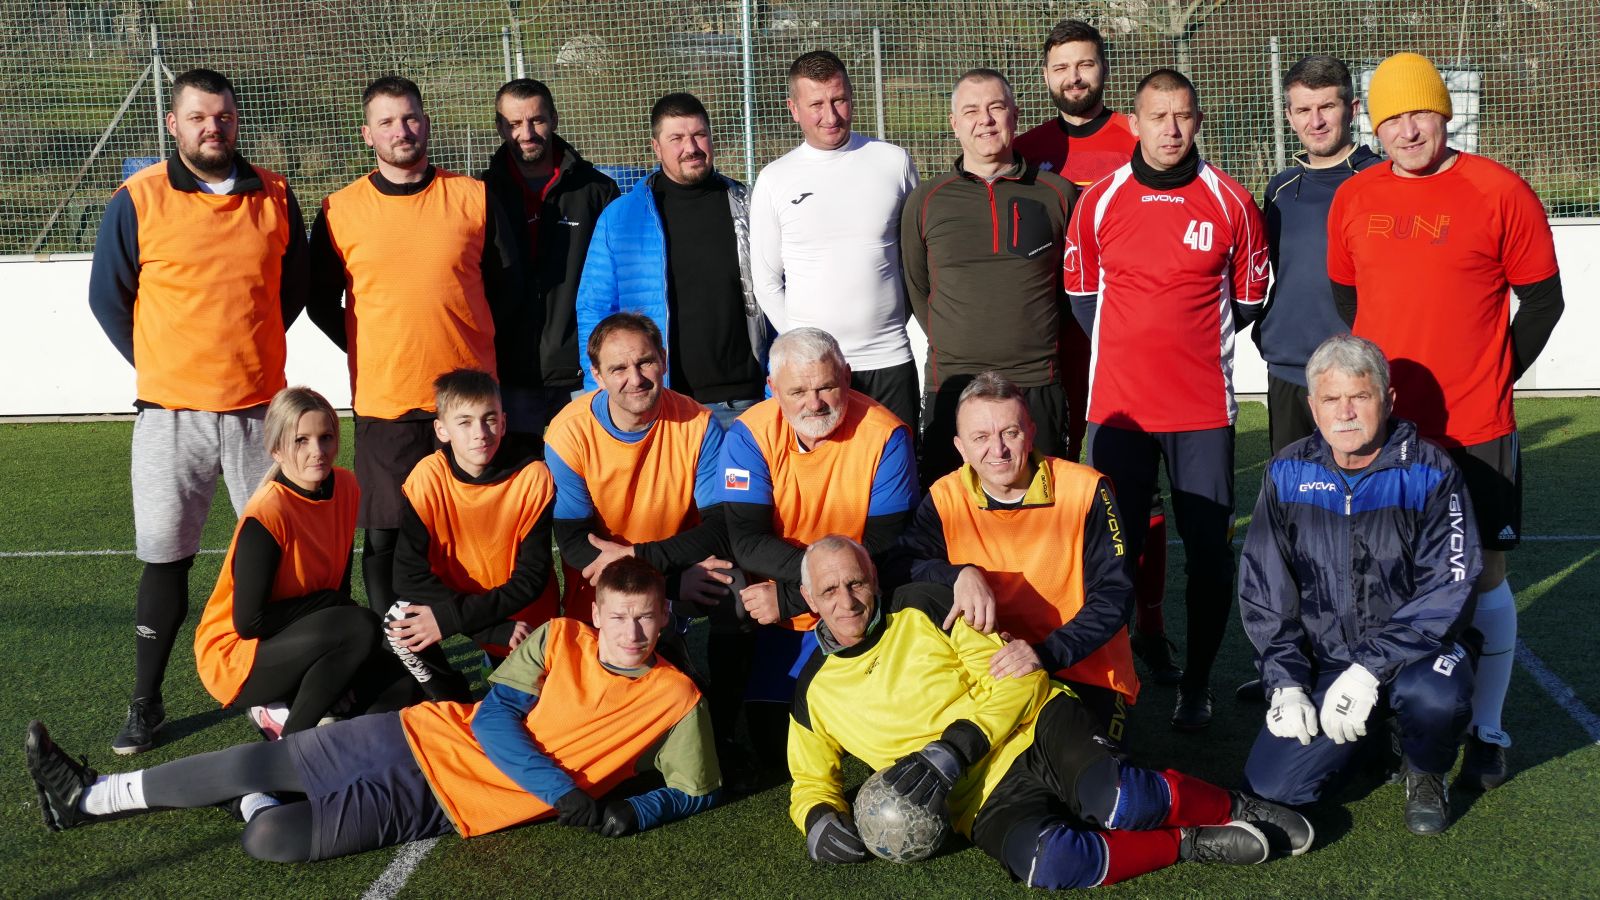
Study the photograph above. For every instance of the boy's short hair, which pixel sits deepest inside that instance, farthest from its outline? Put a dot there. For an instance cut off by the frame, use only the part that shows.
(463, 386)
(632, 577)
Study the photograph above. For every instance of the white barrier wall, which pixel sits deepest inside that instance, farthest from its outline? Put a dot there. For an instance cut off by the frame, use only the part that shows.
(54, 360)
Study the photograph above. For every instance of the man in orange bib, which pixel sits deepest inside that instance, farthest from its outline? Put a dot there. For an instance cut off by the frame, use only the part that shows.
(199, 269)
(474, 552)
(1032, 546)
(422, 257)
(573, 713)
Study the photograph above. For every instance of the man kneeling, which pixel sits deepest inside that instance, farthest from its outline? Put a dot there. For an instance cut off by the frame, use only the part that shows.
(612, 710)
(1016, 758)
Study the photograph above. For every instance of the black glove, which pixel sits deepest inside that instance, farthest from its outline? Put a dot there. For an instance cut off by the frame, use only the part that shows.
(619, 820)
(832, 838)
(926, 777)
(577, 809)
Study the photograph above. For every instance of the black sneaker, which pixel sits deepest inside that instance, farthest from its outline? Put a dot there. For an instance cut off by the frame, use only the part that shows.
(1236, 844)
(1483, 765)
(1287, 831)
(1193, 712)
(138, 734)
(59, 779)
(1427, 803)
(1252, 691)
(1155, 651)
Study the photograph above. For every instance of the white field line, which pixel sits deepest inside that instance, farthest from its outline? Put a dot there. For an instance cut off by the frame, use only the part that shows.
(1559, 691)
(399, 870)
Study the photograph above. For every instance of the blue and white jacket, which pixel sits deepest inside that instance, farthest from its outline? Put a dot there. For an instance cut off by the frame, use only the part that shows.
(626, 268)
(1374, 567)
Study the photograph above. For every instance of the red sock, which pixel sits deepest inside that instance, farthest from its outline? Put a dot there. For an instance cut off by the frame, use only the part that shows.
(1196, 802)
(1130, 854)
(1150, 580)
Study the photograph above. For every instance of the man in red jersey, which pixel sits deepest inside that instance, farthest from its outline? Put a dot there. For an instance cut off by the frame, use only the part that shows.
(1167, 258)
(1429, 244)
(1084, 144)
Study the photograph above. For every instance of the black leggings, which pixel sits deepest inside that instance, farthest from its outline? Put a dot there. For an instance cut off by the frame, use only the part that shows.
(279, 834)
(312, 663)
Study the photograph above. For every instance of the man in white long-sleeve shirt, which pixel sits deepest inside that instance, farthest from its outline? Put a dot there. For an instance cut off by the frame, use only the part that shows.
(825, 236)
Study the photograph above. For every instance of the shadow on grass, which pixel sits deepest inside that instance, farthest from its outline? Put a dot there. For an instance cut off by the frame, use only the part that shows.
(99, 880)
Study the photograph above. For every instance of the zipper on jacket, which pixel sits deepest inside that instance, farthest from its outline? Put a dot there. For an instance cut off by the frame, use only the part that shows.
(994, 218)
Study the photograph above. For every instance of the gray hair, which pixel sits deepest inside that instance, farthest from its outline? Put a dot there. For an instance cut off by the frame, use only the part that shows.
(990, 385)
(834, 543)
(805, 345)
(983, 74)
(1352, 355)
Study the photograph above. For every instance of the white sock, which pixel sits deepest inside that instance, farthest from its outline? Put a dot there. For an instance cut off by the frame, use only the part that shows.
(1496, 619)
(114, 794)
(250, 804)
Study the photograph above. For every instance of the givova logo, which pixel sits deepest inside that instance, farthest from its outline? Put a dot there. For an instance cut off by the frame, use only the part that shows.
(1307, 486)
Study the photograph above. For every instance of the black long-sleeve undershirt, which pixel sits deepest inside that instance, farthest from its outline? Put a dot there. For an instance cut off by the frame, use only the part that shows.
(761, 553)
(256, 556)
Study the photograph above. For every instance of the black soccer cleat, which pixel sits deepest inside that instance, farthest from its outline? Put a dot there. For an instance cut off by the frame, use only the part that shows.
(146, 715)
(1235, 844)
(1193, 712)
(1427, 803)
(59, 780)
(1484, 765)
(1155, 651)
(1286, 830)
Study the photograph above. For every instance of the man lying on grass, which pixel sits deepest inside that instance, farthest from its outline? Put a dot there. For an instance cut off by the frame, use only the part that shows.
(573, 712)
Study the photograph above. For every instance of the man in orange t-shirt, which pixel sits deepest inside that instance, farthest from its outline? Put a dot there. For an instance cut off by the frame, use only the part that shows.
(572, 714)
(1423, 253)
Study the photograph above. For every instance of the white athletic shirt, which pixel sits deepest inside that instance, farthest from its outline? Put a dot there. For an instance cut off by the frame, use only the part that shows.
(825, 246)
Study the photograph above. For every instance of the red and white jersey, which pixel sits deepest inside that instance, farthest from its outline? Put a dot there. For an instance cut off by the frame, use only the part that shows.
(1166, 270)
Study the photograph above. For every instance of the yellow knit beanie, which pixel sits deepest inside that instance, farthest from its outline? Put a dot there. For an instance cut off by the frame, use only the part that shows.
(1406, 82)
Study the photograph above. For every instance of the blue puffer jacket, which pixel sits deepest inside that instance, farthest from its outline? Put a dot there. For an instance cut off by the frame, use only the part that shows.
(626, 268)
(1374, 568)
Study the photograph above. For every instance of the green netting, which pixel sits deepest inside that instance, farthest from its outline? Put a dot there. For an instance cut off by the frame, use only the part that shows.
(1526, 72)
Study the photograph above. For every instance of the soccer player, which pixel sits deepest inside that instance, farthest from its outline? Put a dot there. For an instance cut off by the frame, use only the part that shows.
(825, 235)
(572, 714)
(1084, 143)
(1357, 575)
(982, 247)
(280, 635)
(1423, 253)
(1014, 756)
(420, 255)
(199, 269)
(1033, 546)
(474, 550)
(559, 196)
(677, 248)
(1165, 260)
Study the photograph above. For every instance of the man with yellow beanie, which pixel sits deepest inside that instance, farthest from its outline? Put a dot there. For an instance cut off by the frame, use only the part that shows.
(1421, 253)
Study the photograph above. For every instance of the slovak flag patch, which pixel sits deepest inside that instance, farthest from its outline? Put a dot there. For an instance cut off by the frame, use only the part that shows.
(736, 479)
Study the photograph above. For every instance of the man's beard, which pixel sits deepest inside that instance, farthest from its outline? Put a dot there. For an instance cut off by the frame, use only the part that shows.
(1078, 107)
(202, 159)
(537, 154)
(404, 157)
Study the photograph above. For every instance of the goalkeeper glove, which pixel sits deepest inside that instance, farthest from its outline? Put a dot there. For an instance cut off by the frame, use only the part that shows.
(1348, 703)
(832, 838)
(1292, 715)
(577, 809)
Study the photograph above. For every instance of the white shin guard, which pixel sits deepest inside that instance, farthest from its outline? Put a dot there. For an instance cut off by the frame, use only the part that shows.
(1496, 620)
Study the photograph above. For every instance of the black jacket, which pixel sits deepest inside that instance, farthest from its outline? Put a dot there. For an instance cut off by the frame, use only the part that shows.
(536, 340)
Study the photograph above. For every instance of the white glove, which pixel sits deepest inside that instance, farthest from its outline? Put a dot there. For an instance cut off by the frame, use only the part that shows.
(1348, 703)
(1292, 715)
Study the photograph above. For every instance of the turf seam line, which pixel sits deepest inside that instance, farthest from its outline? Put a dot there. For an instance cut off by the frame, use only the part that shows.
(1559, 691)
(399, 870)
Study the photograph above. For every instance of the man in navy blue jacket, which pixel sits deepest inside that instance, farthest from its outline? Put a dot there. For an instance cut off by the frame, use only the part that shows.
(1355, 589)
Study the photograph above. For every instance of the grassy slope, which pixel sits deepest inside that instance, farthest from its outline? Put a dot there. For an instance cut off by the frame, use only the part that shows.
(65, 487)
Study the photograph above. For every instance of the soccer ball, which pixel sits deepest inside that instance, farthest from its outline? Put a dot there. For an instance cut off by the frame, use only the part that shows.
(895, 828)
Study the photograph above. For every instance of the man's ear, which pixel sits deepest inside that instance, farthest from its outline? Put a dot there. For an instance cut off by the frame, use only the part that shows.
(440, 432)
(806, 594)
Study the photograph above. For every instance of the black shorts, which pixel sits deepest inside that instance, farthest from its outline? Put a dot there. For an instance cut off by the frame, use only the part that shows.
(364, 787)
(386, 452)
(895, 387)
(1043, 784)
(1493, 472)
(1288, 413)
(1110, 709)
(1047, 406)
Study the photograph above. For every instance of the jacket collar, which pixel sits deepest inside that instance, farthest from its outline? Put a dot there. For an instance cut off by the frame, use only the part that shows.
(1018, 170)
(1041, 490)
(1399, 449)
(245, 177)
(875, 629)
(1354, 162)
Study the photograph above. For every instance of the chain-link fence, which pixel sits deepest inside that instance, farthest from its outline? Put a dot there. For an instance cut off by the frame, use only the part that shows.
(76, 107)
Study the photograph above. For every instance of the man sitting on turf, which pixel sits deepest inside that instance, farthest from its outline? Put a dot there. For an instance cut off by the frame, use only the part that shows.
(1355, 588)
(473, 554)
(1033, 546)
(573, 713)
(1015, 757)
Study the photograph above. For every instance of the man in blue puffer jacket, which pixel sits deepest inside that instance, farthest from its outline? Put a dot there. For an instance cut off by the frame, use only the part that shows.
(1355, 589)
(677, 249)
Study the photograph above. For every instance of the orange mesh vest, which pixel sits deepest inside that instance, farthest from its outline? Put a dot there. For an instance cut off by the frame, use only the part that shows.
(315, 535)
(207, 318)
(414, 301)
(828, 489)
(474, 529)
(642, 491)
(594, 723)
(1033, 559)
